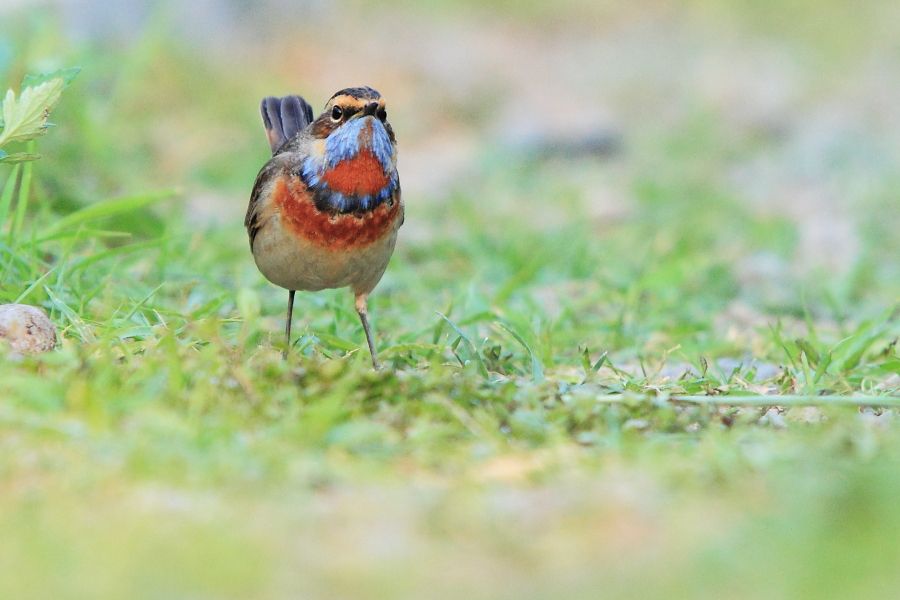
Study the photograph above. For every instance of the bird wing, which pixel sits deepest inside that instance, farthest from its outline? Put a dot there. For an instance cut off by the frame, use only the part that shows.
(255, 219)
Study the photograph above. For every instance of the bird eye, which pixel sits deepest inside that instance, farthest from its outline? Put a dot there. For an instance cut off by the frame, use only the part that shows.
(382, 115)
(336, 113)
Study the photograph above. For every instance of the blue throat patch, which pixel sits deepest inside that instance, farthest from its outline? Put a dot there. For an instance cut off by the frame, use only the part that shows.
(344, 144)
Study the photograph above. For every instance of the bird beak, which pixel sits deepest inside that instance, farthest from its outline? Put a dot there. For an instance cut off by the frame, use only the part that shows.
(370, 109)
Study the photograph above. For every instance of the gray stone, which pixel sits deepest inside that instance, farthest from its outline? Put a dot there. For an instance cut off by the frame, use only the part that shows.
(26, 329)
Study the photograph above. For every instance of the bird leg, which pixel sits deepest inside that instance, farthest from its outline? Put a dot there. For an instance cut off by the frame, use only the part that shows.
(363, 311)
(287, 325)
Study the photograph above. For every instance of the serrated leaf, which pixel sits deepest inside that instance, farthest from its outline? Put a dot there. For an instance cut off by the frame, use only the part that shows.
(26, 117)
(18, 157)
(67, 75)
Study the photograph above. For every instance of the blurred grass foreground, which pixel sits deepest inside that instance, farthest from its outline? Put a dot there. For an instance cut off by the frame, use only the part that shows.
(641, 323)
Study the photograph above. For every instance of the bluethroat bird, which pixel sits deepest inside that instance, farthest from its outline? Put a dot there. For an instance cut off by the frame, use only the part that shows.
(325, 209)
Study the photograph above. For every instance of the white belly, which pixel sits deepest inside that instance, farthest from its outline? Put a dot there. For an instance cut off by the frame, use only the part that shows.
(297, 264)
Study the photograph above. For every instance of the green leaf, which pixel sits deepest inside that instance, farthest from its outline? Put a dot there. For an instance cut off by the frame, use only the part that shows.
(2, 153)
(586, 363)
(116, 252)
(25, 117)
(822, 367)
(482, 368)
(6, 195)
(108, 208)
(22, 200)
(537, 369)
(812, 355)
(18, 157)
(338, 343)
(400, 349)
(67, 75)
(849, 352)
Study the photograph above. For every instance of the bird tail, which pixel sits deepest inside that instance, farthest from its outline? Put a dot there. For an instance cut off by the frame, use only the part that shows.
(283, 118)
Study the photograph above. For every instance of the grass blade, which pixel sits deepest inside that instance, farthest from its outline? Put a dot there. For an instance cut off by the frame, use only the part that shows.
(33, 286)
(108, 208)
(537, 369)
(22, 200)
(482, 368)
(7, 195)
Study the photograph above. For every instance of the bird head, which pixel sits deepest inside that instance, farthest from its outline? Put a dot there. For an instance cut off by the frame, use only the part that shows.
(353, 118)
(354, 150)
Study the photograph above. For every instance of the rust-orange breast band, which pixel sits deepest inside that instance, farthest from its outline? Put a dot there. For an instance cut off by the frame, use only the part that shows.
(335, 231)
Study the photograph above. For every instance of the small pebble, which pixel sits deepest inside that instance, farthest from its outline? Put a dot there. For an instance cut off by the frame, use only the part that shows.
(774, 418)
(26, 329)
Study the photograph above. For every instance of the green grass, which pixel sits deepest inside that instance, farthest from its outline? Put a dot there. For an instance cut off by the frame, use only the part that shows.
(586, 358)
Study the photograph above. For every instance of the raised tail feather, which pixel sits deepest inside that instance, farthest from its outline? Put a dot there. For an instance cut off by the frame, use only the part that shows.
(283, 118)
